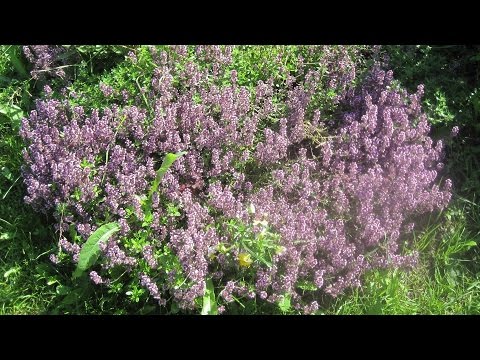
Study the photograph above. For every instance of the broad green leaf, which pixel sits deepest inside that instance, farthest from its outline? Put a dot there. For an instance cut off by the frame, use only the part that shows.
(166, 164)
(17, 62)
(14, 113)
(90, 250)
(209, 303)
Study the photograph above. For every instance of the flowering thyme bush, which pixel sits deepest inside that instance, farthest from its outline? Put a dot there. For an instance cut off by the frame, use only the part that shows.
(271, 201)
(55, 61)
(45, 60)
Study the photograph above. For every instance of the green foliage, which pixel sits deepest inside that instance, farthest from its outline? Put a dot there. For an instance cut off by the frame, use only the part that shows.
(441, 113)
(16, 60)
(209, 306)
(450, 74)
(447, 280)
(13, 113)
(25, 242)
(166, 164)
(255, 246)
(284, 304)
(90, 250)
(255, 63)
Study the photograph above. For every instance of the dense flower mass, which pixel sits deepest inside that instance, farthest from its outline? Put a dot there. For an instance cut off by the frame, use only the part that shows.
(45, 60)
(270, 200)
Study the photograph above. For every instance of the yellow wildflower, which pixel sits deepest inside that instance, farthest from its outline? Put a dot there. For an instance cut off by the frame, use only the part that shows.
(244, 259)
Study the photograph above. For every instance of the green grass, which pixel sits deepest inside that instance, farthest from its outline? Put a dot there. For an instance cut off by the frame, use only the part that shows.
(24, 241)
(446, 281)
(29, 284)
(25, 288)
(24, 238)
